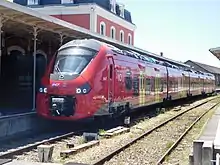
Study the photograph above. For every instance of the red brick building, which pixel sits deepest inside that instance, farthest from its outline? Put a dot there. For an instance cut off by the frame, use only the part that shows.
(95, 18)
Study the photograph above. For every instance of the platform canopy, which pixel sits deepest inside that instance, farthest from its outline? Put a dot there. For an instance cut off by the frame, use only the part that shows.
(18, 17)
(215, 52)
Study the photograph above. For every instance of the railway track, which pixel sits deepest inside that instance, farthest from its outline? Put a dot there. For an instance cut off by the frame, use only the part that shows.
(10, 154)
(163, 157)
(115, 154)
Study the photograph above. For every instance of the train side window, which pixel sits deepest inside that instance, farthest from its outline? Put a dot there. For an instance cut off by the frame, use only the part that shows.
(135, 85)
(152, 84)
(128, 80)
(148, 86)
(161, 85)
(128, 83)
(164, 84)
(111, 71)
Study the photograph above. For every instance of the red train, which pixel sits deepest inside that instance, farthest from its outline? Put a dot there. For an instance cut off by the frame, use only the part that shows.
(88, 78)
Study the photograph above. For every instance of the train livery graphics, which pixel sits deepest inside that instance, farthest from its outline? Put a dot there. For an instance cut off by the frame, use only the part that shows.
(88, 78)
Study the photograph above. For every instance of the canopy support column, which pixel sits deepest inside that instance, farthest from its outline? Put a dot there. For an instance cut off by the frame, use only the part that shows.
(35, 33)
(2, 21)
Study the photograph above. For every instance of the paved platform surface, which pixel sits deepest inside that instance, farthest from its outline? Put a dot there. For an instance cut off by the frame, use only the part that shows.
(210, 130)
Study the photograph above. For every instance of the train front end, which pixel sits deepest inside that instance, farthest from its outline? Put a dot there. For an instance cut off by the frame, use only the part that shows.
(66, 90)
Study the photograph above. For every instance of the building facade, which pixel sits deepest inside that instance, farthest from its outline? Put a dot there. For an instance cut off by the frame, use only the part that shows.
(105, 17)
(206, 68)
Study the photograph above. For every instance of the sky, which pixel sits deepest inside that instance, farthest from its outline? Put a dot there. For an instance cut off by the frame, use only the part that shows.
(181, 29)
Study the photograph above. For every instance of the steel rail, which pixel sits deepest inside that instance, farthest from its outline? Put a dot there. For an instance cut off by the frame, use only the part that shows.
(160, 161)
(10, 154)
(118, 150)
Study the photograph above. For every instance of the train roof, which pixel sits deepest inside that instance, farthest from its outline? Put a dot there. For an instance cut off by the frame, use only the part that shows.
(96, 45)
(88, 43)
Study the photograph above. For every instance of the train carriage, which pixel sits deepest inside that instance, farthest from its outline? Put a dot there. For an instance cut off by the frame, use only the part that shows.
(88, 78)
(209, 83)
(195, 83)
(175, 83)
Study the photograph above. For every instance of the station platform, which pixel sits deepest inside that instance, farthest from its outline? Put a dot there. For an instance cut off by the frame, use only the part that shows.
(211, 128)
(207, 145)
(7, 112)
(22, 124)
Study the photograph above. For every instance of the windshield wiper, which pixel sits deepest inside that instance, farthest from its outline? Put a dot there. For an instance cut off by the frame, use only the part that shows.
(58, 69)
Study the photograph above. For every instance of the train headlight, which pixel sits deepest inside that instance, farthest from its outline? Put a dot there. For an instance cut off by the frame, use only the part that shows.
(84, 89)
(43, 90)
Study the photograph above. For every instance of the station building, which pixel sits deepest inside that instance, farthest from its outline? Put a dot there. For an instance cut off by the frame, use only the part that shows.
(106, 17)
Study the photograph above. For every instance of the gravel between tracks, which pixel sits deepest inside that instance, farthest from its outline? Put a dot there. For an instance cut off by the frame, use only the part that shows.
(180, 155)
(106, 145)
(152, 147)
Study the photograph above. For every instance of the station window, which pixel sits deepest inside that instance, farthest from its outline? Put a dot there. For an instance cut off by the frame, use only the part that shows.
(33, 2)
(122, 36)
(113, 32)
(129, 39)
(102, 28)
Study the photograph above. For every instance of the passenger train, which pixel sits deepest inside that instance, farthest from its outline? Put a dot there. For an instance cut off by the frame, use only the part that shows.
(88, 78)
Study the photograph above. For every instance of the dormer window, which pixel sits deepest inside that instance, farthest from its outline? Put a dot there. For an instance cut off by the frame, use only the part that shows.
(67, 1)
(113, 6)
(32, 2)
(121, 10)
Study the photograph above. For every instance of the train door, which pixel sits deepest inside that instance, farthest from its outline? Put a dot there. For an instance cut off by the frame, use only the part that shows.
(189, 82)
(203, 85)
(157, 87)
(111, 69)
(142, 87)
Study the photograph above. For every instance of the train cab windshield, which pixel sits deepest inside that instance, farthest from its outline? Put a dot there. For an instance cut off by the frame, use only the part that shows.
(73, 60)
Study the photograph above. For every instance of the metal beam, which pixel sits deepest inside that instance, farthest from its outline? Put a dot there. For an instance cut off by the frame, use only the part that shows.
(62, 37)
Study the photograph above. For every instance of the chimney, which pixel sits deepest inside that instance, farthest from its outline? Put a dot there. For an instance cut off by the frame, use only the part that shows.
(161, 54)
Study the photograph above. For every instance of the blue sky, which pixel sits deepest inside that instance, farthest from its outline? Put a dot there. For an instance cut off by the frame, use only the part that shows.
(181, 29)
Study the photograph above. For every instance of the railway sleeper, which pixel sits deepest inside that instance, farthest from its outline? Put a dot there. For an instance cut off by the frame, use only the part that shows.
(90, 136)
(82, 147)
(115, 132)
